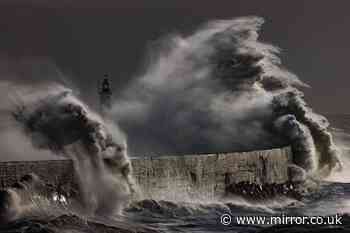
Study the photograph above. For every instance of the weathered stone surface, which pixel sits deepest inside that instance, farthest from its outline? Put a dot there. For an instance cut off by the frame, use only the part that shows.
(54, 172)
(206, 176)
(173, 177)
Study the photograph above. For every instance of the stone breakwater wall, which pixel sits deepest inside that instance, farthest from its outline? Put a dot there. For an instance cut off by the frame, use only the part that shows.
(202, 176)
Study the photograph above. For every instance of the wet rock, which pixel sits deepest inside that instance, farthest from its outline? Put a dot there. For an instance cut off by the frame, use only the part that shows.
(255, 191)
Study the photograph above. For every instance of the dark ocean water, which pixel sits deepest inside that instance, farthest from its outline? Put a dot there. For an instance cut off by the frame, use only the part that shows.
(164, 216)
(331, 198)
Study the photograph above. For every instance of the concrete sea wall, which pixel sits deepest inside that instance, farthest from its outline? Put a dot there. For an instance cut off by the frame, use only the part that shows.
(173, 177)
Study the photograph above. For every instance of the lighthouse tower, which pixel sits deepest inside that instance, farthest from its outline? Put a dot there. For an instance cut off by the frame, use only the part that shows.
(105, 93)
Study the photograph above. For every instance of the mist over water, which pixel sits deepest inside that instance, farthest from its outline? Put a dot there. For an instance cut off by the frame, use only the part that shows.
(218, 89)
(221, 89)
(59, 122)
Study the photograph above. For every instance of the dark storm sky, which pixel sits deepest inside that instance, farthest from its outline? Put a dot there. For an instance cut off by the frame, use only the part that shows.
(88, 38)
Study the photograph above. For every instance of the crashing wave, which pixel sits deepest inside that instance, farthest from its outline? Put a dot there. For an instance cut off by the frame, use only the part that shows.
(221, 89)
(61, 123)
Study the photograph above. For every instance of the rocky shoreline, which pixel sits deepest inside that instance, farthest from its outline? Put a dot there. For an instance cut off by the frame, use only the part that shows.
(253, 191)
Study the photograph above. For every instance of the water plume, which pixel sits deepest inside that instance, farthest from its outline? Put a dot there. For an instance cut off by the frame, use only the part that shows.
(59, 122)
(16, 200)
(221, 89)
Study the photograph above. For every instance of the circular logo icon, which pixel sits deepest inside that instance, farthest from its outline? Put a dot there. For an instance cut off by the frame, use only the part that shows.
(226, 219)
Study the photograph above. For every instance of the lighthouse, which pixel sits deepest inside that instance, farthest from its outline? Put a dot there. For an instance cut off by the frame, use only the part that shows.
(105, 93)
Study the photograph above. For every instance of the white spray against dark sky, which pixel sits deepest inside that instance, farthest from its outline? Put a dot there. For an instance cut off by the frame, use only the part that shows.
(57, 121)
(218, 89)
(221, 89)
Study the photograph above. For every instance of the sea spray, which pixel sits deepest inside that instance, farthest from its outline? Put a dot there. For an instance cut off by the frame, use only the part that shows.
(61, 123)
(221, 89)
(10, 207)
(17, 200)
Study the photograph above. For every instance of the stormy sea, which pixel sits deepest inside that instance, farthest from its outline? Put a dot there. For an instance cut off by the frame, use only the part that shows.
(331, 198)
(217, 89)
